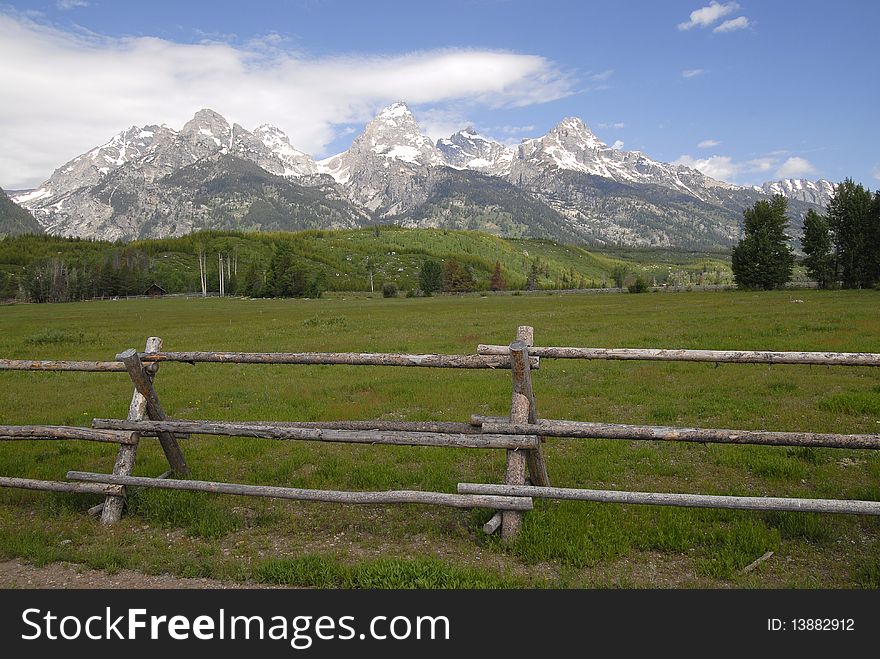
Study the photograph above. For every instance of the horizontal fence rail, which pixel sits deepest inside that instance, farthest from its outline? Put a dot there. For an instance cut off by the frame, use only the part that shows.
(328, 496)
(56, 365)
(285, 432)
(454, 427)
(61, 486)
(850, 507)
(716, 356)
(335, 358)
(13, 433)
(592, 430)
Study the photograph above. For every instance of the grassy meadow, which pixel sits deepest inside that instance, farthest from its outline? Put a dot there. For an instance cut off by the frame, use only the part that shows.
(563, 544)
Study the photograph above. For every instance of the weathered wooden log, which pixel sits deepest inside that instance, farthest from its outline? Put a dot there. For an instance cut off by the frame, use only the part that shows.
(553, 428)
(61, 486)
(13, 433)
(331, 358)
(267, 430)
(478, 420)
(60, 365)
(492, 525)
(144, 385)
(522, 384)
(716, 356)
(379, 424)
(99, 509)
(111, 510)
(331, 496)
(852, 507)
(515, 467)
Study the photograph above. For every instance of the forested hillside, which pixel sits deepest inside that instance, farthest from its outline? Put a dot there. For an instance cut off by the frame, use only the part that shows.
(45, 268)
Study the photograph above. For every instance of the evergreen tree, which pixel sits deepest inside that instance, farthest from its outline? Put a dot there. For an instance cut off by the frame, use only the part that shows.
(618, 274)
(431, 277)
(456, 277)
(532, 279)
(763, 258)
(854, 232)
(874, 238)
(816, 242)
(498, 283)
(280, 280)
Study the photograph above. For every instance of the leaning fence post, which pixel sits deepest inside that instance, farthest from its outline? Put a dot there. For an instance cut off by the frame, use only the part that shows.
(522, 408)
(112, 507)
(144, 385)
(522, 383)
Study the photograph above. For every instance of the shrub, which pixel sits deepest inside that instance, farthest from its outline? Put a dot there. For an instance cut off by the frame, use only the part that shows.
(389, 290)
(638, 286)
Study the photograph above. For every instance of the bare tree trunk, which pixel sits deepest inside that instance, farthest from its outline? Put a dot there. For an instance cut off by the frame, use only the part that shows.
(203, 275)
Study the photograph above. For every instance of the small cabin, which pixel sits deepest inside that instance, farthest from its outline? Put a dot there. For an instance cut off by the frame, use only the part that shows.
(155, 291)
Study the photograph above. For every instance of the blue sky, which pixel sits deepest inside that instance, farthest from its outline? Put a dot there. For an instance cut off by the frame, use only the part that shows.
(746, 91)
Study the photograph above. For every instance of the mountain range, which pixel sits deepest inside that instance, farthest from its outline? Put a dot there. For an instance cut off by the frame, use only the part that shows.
(154, 181)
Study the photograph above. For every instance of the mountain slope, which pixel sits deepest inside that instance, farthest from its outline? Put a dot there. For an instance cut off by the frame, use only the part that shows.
(14, 219)
(223, 191)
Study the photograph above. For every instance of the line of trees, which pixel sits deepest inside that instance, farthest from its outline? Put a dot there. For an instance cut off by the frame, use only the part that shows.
(841, 247)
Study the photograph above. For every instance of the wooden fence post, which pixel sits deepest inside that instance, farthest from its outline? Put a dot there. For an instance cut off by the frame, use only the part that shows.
(112, 507)
(522, 383)
(143, 384)
(522, 406)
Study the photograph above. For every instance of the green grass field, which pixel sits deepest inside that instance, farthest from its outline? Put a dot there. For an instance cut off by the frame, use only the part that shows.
(567, 544)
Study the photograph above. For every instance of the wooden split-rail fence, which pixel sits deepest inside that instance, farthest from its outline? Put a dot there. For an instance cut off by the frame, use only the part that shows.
(521, 434)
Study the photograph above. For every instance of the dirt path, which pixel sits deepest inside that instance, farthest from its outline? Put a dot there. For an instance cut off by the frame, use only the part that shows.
(15, 574)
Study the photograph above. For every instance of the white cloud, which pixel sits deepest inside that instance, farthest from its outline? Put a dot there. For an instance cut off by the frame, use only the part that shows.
(515, 130)
(442, 122)
(756, 170)
(603, 76)
(618, 125)
(795, 167)
(739, 23)
(708, 144)
(876, 172)
(71, 4)
(720, 167)
(618, 144)
(692, 73)
(705, 16)
(66, 92)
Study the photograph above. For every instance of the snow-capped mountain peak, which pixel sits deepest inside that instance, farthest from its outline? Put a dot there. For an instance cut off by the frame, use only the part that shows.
(570, 145)
(90, 167)
(467, 149)
(813, 192)
(206, 132)
(296, 162)
(394, 134)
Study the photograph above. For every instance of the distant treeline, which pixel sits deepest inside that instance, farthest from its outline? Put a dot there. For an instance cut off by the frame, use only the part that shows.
(284, 264)
(842, 246)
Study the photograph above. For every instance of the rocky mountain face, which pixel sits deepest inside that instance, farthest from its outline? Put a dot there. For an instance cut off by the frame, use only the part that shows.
(388, 165)
(567, 185)
(467, 149)
(156, 182)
